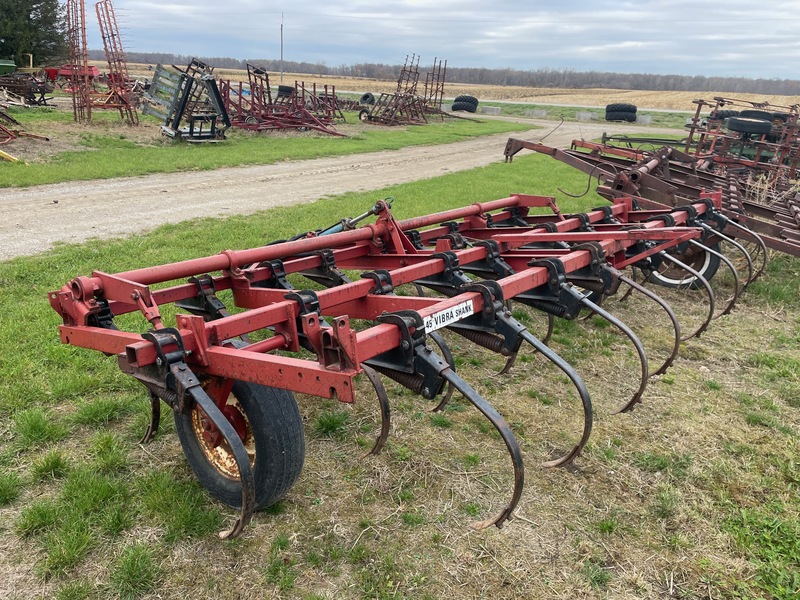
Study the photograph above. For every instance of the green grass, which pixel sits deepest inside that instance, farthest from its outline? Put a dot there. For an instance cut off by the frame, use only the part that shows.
(135, 572)
(331, 424)
(36, 427)
(107, 153)
(10, 486)
(772, 543)
(53, 465)
(569, 113)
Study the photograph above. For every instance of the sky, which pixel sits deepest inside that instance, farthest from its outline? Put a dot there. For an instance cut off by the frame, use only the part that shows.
(733, 38)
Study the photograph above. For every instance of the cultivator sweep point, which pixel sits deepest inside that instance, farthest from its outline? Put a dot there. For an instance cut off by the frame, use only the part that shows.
(229, 377)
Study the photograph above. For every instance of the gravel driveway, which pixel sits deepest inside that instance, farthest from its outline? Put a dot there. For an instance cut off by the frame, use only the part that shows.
(36, 218)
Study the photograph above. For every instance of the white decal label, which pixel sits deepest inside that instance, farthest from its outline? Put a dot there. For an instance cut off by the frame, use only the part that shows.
(448, 316)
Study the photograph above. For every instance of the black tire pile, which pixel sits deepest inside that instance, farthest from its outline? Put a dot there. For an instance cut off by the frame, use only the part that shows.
(465, 103)
(751, 121)
(620, 111)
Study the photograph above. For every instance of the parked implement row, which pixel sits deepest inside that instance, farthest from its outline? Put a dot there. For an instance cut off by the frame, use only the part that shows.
(229, 378)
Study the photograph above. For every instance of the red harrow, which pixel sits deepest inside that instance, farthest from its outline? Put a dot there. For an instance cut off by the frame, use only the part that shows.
(229, 378)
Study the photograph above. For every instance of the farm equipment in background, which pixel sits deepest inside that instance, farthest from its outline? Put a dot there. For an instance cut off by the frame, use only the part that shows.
(24, 89)
(750, 156)
(120, 94)
(188, 102)
(253, 106)
(11, 129)
(121, 91)
(324, 307)
(406, 106)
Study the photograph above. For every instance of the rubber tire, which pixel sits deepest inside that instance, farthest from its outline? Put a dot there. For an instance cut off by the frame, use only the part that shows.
(779, 118)
(279, 445)
(708, 268)
(630, 117)
(367, 98)
(363, 115)
(743, 125)
(285, 90)
(620, 107)
(756, 114)
(468, 99)
(464, 106)
(721, 115)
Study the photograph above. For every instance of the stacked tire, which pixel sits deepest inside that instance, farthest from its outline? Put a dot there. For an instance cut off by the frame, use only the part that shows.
(465, 103)
(755, 122)
(620, 111)
(368, 98)
(722, 114)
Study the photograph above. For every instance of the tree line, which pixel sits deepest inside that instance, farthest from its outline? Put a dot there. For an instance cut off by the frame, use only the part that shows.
(546, 78)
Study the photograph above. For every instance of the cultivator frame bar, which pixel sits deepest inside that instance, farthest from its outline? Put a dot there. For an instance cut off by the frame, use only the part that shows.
(478, 258)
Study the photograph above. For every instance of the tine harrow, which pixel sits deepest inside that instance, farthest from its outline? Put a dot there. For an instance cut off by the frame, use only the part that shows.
(253, 106)
(229, 377)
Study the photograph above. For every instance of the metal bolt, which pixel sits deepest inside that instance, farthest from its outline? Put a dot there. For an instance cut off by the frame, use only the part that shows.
(426, 392)
(159, 362)
(405, 345)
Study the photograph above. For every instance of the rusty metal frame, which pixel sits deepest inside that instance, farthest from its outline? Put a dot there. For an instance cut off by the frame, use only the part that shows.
(120, 95)
(667, 177)
(79, 80)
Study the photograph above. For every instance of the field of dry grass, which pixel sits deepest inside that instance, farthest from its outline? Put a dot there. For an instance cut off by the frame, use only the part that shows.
(681, 101)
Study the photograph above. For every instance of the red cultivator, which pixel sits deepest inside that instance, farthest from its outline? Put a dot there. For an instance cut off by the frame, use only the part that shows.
(252, 106)
(229, 378)
(750, 155)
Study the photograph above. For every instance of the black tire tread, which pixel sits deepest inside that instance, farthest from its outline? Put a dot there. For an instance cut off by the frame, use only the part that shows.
(464, 106)
(761, 115)
(280, 446)
(618, 107)
(746, 125)
(722, 114)
(621, 116)
(465, 98)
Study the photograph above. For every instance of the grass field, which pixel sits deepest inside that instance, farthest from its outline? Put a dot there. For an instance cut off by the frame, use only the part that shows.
(107, 149)
(692, 495)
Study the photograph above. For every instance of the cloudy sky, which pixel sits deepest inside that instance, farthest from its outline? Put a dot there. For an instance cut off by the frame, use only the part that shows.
(688, 37)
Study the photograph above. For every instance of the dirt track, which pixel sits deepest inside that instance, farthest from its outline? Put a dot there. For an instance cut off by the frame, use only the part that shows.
(36, 218)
